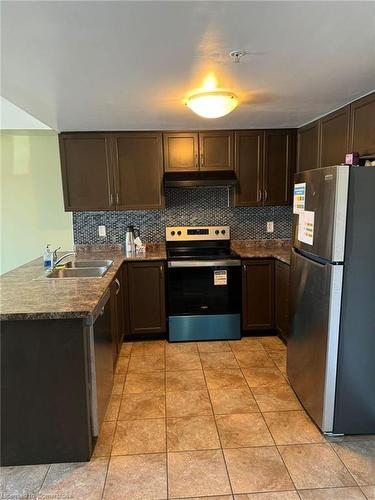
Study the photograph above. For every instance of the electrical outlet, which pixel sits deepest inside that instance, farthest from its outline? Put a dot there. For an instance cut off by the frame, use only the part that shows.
(102, 231)
(270, 226)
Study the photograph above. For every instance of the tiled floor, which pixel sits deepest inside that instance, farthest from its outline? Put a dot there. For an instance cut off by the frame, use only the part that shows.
(198, 420)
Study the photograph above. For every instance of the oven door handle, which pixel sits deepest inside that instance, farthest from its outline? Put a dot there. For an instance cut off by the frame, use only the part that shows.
(204, 263)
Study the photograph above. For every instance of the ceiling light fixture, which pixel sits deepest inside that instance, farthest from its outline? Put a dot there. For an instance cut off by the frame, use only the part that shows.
(212, 104)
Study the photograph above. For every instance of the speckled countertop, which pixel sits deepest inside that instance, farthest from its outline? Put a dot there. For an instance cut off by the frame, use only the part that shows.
(26, 294)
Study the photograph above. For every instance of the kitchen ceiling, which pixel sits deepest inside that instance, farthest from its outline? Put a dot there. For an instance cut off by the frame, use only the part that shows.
(102, 65)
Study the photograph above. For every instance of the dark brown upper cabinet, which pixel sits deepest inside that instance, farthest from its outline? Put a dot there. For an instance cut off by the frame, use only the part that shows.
(334, 137)
(146, 297)
(193, 151)
(216, 150)
(138, 170)
(279, 163)
(181, 151)
(86, 171)
(258, 294)
(249, 167)
(308, 147)
(362, 126)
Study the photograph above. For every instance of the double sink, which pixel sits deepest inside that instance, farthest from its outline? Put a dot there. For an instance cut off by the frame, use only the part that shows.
(81, 269)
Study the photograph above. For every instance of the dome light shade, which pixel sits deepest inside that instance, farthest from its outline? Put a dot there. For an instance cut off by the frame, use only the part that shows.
(212, 104)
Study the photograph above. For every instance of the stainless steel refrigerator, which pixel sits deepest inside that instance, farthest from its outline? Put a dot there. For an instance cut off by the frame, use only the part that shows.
(331, 347)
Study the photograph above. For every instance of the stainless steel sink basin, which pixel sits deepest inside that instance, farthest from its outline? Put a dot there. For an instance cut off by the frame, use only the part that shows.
(88, 263)
(87, 272)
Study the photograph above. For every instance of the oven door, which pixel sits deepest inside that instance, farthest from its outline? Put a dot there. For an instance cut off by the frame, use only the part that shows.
(204, 299)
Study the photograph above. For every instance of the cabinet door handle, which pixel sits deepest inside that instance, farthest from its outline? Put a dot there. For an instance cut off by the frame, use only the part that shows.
(259, 195)
(161, 272)
(202, 160)
(244, 268)
(118, 286)
(265, 195)
(196, 160)
(117, 198)
(110, 199)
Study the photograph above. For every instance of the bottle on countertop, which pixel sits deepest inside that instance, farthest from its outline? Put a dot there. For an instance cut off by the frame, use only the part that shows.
(130, 236)
(48, 257)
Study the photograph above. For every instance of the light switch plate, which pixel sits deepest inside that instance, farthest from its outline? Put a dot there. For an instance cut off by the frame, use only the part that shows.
(102, 231)
(270, 226)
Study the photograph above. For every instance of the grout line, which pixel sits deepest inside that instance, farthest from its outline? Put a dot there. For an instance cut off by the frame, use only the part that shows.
(343, 463)
(217, 429)
(44, 479)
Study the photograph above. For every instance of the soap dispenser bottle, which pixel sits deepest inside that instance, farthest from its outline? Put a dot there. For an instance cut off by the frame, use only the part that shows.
(47, 257)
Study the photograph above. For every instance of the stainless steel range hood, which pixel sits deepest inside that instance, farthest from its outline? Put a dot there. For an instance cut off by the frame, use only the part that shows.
(200, 179)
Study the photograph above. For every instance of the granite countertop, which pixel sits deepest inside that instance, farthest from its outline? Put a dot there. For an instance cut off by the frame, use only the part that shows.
(257, 249)
(26, 294)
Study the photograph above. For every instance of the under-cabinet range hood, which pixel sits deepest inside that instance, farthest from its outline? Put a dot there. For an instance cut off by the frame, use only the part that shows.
(200, 179)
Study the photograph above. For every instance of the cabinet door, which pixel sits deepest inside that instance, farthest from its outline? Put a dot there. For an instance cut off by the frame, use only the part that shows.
(279, 159)
(138, 159)
(113, 288)
(308, 147)
(362, 124)
(281, 298)
(248, 166)
(258, 294)
(180, 151)
(86, 171)
(216, 150)
(146, 297)
(334, 137)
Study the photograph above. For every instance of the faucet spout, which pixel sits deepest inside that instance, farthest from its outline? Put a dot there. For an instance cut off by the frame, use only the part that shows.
(62, 258)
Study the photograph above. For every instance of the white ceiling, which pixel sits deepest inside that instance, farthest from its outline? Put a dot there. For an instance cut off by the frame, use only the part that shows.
(105, 65)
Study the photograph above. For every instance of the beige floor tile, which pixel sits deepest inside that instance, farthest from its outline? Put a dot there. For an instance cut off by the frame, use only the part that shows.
(133, 437)
(192, 380)
(118, 383)
(197, 473)
(276, 398)
(272, 343)
(369, 492)
(227, 401)
(214, 346)
(22, 481)
(260, 377)
(256, 470)
(276, 495)
(149, 347)
(122, 365)
(218, 360)
(216, 497)
(293, 427)
(222, 379)
(140, 363)
(192, 433)
(113, 408)
(145, 382)
(359, 458)
(103, 444)
(136, 477)
(174, 347)
(315, 466)
(333, 494)
(188, 403)
(254, 358)
(126, 348)
(279, 358)
(142, 405)
(183, 361)
(246, 344)
(243, 430)
(81, 480)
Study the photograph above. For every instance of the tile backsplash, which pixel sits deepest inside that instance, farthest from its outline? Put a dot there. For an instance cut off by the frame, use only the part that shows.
(185, 207)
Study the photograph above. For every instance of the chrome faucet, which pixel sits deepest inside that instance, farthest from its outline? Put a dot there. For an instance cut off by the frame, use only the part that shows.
(61, 258)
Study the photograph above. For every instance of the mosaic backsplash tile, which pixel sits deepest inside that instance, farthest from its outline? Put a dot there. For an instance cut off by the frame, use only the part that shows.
(193, 207)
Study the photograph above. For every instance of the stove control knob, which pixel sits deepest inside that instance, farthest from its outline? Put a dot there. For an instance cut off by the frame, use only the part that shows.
(173, 233)
(217, 231)
(179, 233)
(223, 231)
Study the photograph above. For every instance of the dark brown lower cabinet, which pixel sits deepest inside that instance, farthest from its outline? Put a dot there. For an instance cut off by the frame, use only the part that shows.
(258, 294)
(146, 289)
(282, 298)
(117, 313)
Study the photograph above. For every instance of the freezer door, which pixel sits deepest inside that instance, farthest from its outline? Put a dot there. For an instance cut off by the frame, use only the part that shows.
(326, 194)
(313, 338)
